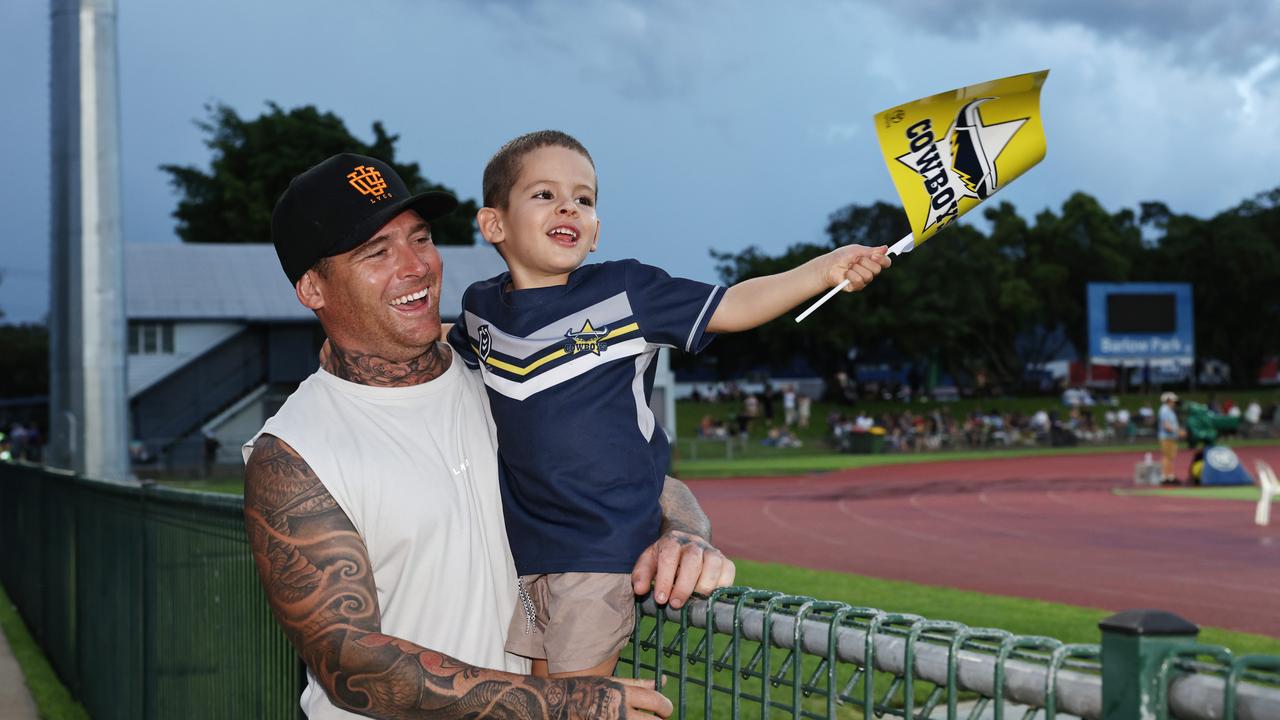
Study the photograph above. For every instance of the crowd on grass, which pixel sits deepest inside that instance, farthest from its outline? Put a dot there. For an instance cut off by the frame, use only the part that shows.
(20, 441)
(1076, 417)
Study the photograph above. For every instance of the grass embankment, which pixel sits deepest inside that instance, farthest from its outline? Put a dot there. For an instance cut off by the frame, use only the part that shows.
(762, 461)
(1231, 492)
(1069, 623)
(53, 701)
(698, 458)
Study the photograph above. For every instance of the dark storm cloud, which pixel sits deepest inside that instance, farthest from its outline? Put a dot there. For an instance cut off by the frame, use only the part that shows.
(1232, 34)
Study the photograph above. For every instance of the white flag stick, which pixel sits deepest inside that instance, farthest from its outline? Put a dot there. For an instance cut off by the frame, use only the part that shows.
(905, 245)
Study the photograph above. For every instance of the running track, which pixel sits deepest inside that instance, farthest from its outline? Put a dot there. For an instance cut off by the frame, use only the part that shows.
(1047, 528)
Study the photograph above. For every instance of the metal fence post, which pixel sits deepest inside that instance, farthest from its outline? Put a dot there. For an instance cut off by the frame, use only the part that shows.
(1134, 644)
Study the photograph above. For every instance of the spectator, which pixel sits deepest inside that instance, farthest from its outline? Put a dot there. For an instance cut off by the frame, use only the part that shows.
(1168, 432)
(803, 408)
(789, 405)
(1252, 417)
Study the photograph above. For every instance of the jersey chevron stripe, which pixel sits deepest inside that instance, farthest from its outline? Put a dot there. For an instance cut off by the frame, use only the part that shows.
(491, 361)
(602, 314)
(566, 371)
(494, 362)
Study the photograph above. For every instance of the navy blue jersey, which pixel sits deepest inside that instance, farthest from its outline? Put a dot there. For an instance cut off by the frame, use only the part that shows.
(569, 370)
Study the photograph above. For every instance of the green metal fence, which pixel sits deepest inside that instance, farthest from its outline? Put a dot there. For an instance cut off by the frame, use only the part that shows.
(145, 599)
(146, 602)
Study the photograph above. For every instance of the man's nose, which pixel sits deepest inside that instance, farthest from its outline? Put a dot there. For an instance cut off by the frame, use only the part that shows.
(410, 262)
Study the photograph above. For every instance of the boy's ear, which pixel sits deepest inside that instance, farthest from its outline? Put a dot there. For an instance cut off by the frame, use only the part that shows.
(489, 221)
(310, 291)
(595, 241)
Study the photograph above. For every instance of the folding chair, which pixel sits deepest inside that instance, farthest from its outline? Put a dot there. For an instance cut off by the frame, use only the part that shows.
(1270, 487)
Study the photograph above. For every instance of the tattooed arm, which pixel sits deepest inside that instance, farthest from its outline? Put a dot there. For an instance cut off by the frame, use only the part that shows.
(682, 561)
(318, 579)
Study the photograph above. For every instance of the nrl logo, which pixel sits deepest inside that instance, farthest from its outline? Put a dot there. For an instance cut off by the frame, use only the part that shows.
(588, 339)
(486, 341)
(959, 164)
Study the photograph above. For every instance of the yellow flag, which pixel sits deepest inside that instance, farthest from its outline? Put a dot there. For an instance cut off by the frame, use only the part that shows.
(950, 151)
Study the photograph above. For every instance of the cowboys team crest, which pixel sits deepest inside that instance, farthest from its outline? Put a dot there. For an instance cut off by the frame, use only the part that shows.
(949, 152)
(588, 339)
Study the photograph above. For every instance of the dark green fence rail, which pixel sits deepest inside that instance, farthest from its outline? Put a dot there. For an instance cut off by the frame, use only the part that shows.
(145, 599)
(146, 602)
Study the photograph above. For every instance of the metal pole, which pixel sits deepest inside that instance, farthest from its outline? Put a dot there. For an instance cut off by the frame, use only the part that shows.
(87, 314)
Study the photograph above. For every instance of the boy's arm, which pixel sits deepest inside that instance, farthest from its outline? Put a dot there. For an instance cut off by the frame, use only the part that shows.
(682, 561)
(318, 579)
(753, 302)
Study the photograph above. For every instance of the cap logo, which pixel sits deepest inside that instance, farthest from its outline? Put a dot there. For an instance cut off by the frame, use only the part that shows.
(369, 182)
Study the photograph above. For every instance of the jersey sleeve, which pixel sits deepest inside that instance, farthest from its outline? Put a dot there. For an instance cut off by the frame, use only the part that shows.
(673, 312)
(460, 338)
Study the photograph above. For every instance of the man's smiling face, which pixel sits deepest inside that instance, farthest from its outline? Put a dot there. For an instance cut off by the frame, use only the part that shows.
(383, 297)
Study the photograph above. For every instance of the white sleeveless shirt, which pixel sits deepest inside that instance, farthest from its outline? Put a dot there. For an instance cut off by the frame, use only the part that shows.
(415, 469)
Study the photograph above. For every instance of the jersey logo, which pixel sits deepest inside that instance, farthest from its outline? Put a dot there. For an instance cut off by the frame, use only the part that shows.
(486, 342)
(588, 339)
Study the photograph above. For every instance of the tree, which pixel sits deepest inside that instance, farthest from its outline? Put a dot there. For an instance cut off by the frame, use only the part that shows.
(254, 160)
(24, 364)
(1233, 264)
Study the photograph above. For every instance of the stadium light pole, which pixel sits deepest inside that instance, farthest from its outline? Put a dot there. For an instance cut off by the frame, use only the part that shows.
(88, 404)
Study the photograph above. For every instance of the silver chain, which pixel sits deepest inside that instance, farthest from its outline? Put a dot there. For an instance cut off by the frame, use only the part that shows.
(530, 614)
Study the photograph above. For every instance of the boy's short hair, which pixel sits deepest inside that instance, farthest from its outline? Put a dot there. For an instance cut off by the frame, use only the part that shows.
(504, 167)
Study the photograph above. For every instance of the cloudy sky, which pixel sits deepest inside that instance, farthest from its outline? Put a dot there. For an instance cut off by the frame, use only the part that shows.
(714, 124)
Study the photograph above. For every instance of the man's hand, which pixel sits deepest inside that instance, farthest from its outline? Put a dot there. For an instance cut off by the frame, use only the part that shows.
(683, 560)
(680, 564)
(856, 263)
(641, 700)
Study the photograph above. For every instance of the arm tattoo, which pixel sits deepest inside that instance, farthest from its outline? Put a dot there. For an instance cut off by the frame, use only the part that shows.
(681, 511)
(319, 582)
(368, 369)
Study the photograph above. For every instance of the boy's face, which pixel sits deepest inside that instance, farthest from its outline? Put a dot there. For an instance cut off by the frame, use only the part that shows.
(550, 223)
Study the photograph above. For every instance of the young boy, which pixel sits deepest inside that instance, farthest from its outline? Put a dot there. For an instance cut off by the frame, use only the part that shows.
(567, 352)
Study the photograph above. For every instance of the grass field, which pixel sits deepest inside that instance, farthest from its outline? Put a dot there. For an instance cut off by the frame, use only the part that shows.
(1069, 623)
(689, 413)
(53, 702)
(797, 461)
(1231, 492)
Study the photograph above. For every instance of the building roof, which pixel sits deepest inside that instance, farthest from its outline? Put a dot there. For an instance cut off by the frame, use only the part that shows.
(188, 281)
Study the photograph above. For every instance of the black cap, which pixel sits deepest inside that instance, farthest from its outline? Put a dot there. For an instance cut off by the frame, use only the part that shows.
(338, 205)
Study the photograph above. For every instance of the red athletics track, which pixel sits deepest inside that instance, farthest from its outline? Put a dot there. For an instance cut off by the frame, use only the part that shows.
(1046, 527)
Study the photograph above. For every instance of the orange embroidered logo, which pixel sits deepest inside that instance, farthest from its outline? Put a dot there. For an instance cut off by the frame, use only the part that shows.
(368, 181)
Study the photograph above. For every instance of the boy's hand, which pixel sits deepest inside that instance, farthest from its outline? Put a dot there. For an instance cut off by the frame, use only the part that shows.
(858, 264)
(678, 565)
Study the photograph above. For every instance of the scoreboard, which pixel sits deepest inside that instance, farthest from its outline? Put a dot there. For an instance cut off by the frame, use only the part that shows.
(1136, 323)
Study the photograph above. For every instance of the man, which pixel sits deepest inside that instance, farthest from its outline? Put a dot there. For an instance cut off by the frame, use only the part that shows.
(1168, 433)
(371, 497)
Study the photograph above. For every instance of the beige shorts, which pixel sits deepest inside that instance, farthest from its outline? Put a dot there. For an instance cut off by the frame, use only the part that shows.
(574, 621)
